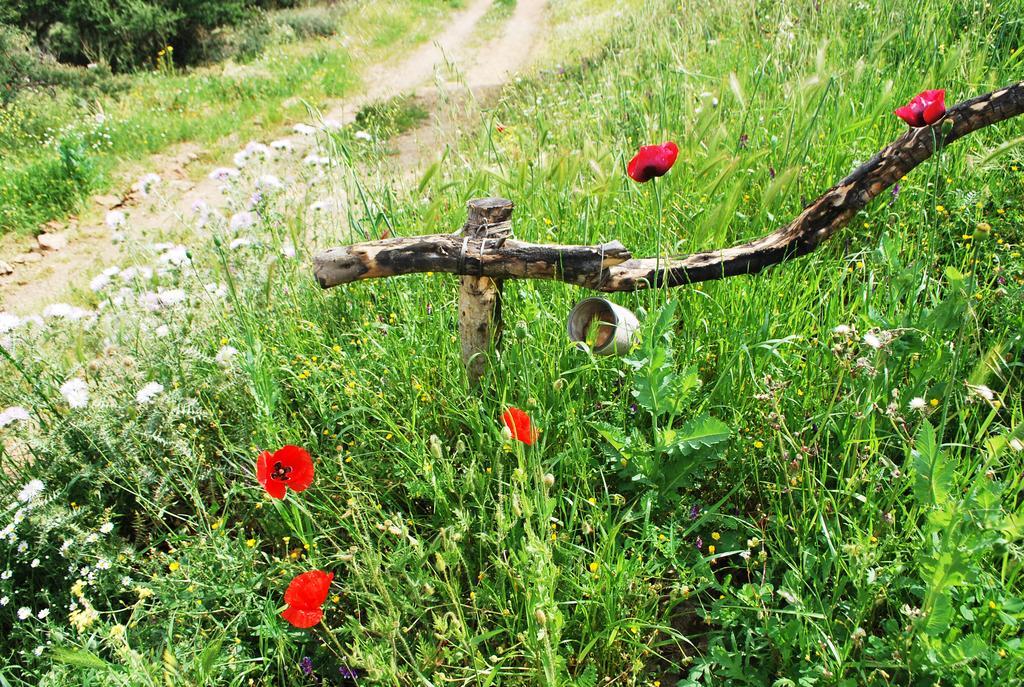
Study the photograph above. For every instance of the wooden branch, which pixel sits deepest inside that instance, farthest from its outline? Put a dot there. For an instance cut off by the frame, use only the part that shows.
(609, 267)
(467, 255)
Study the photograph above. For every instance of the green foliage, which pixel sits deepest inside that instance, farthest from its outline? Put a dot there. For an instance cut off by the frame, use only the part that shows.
(388, 119)
(653, 452)
(311, 22)
(22, 66)
(121, 33)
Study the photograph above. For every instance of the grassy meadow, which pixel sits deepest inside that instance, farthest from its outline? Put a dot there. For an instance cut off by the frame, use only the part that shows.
(851, 513)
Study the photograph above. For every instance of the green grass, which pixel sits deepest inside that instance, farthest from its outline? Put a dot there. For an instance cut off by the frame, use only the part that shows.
(857, 540)
(148, 112)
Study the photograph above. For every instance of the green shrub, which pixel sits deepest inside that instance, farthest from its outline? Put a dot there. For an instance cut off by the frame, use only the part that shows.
(121, 33)
(125, 34)
(23, 66)
(50, 186)
(309, 22)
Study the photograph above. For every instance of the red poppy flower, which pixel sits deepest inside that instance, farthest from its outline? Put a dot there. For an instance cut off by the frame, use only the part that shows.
(304, 596)
(289, 466)
(518, 423)
(926, 108)
(652, 161)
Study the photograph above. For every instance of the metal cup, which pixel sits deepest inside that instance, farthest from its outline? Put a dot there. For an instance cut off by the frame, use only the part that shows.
(615, 326)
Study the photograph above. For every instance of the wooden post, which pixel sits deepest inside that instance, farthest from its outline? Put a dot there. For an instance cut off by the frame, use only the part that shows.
(489, 222)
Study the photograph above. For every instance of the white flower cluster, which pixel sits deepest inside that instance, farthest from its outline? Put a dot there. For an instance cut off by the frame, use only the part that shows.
(13, 414)
(147, 393)
(76, 392)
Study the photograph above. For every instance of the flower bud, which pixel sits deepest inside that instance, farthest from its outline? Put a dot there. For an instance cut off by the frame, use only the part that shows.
(541, 617)
(435, 447)
(558, 384)
(506, 434)
(549, 480)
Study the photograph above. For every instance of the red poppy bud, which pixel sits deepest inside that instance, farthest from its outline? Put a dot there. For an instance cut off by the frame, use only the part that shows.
(652, 161)
(518, 424)
(290, 467)
(926, 108)
(305, 595)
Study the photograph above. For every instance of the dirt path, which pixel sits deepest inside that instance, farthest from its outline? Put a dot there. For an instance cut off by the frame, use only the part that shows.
(43, 277)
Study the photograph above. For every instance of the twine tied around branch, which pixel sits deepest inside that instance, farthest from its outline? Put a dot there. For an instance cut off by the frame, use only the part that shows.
(498, 232)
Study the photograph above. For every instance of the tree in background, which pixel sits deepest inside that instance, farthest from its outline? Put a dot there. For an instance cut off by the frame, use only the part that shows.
(126, 34)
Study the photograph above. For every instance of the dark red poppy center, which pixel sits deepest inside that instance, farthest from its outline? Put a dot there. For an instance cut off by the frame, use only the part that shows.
(280, 472)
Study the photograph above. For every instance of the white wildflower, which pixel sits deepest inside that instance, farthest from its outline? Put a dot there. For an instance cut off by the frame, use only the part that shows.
(65, 312)
(282, 144)
(242, 220)
(34, 563)
(9, 322)
(240, 242)
(363, 136)
(135, 273)
(162, 299)
(304, 129)
(316, 160)
(216, 289)
(99, 282)
(873, 341)
(288, 250)
(226, 355)
(269, 182)
(917, 403)
(24, 613)
(6, 575)
(31, 491)
(257, 149)
(4, 600)
(240, 158)
(103, 564)
(91, 538)
(115, 219)
(331, 125)
(13, 414)
(107, 527)
(149, 392)
(126, 581)
(38, 651)
(983, 391)
(176, 255)
(144, 185)
(224, 173)
(162, 331)
(76, 392)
